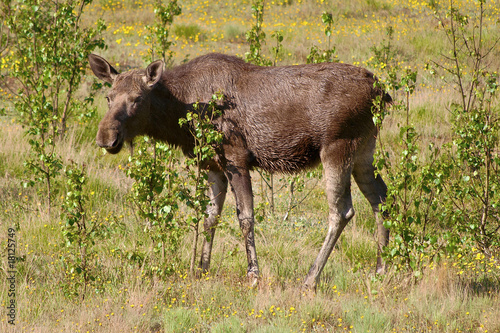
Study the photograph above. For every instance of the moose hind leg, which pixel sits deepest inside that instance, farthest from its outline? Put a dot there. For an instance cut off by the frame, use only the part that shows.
(338, 189)
(375, 191)
(217, 195)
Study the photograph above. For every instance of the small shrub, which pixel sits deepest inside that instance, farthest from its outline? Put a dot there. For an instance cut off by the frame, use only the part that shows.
(256, 36)
(48, 59)
(81, 230)
(189, 31)
(156, 191)
(317, 55)
(471, 165)
(159, 31)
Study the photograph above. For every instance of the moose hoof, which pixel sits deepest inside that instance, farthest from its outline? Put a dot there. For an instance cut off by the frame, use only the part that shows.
(380, 268)
(198, 274)
(253, 279)
(310, 284)
(309, 289)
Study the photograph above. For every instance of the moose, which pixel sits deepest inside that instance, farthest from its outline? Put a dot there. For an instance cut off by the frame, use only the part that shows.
(281, 119)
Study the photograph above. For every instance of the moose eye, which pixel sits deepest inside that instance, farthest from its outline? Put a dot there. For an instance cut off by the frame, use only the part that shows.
(107, 99)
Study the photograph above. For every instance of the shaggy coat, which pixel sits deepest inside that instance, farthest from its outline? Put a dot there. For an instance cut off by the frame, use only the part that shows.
(280, 119)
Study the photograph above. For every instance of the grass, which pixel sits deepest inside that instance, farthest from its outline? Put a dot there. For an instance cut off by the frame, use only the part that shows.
(350, 298)
(189, 31)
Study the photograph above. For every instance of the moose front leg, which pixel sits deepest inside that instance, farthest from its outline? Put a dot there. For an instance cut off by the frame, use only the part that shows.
(217, 195)
(241, 186)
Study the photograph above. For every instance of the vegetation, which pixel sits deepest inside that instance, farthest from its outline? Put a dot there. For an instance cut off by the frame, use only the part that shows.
(106, 243)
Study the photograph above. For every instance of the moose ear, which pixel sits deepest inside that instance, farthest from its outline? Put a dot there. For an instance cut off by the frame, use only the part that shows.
(102, 69)
(154, 72)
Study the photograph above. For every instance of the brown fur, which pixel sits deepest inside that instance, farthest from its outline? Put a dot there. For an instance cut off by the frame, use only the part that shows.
(281, 119)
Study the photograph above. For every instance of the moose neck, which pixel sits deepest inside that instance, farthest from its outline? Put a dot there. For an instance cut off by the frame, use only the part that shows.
(166, 110)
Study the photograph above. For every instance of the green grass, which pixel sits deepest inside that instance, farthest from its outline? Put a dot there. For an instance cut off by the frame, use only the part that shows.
(192, 32)
(234, 33)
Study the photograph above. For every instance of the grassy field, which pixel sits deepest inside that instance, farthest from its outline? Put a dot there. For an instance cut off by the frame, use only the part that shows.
(350, 297)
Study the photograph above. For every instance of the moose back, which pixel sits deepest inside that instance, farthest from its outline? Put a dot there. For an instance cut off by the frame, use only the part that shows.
(281, 119)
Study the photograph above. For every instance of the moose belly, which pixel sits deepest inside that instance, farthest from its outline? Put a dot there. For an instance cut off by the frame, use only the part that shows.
(288, 155)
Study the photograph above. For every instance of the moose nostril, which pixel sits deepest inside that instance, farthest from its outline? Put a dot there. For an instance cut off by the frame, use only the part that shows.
(104, 142)
(115, 143)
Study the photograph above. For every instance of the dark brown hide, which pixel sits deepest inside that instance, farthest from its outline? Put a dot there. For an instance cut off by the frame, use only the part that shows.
(281, 119)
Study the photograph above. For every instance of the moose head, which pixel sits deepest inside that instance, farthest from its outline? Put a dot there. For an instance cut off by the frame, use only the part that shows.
(129, 102)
